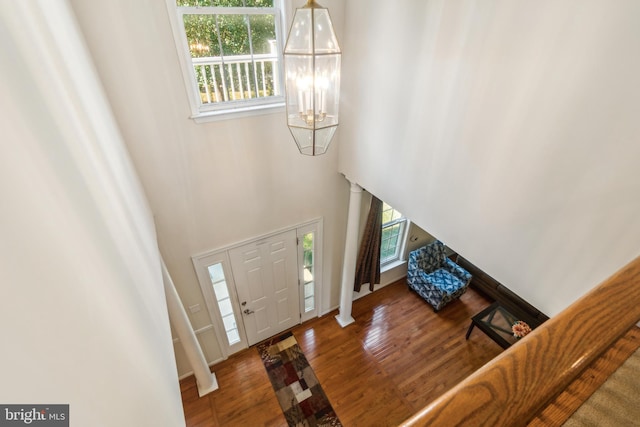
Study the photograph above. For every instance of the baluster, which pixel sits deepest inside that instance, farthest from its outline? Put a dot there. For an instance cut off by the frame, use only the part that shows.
(239, 71)
(214, 82)
(264, 80)
(233, 84)
(203, 73)
(246, 73)
(223, 77)
(248, 78)
(274, 67)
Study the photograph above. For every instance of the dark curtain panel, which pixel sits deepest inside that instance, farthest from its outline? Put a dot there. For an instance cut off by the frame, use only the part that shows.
(368, 265)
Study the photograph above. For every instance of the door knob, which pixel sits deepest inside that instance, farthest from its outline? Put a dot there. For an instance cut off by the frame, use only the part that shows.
(247, 311)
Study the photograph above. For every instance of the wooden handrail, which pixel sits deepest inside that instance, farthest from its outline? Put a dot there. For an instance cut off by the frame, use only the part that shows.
(516, 385)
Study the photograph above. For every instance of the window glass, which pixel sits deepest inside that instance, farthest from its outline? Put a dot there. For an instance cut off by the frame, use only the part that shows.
(393, 233)
(309, 285)
(221, 292)
(232, 52)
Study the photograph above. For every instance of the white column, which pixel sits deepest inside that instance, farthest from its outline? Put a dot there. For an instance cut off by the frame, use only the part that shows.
(205, 379)
(350, 255)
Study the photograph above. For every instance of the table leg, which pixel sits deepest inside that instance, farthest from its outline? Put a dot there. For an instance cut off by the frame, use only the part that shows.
(470, 329)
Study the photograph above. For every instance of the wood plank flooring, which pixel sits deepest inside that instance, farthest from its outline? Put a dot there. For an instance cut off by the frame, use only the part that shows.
(397, 357)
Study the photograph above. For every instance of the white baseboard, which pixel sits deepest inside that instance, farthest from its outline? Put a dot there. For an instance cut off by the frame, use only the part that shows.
(190, 373)
(393, 277)
(364, 291)
(329, 310)
(197, 332)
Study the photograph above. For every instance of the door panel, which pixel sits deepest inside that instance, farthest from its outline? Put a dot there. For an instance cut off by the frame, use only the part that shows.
(267, 284)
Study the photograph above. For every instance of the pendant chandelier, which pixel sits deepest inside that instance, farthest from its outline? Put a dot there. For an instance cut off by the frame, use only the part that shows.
(312, 79)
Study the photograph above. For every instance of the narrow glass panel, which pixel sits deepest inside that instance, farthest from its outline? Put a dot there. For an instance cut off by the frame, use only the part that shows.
(229, 322)
(308, 272)
(308, 275)
(221, 292)
(216, 273)
(225, 307)
(308, 289)
(233, 336)
(308, 304)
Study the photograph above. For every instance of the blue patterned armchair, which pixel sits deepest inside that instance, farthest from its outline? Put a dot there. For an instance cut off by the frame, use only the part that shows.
(435, 277)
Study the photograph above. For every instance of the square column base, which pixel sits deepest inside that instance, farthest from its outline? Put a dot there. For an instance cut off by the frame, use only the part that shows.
(342, 322)
(206, 390)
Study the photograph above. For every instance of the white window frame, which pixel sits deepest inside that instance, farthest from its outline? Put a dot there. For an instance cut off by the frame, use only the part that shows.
(404, 224)
(229, 110)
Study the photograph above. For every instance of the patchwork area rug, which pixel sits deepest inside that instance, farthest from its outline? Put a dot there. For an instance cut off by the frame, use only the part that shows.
(300, 395)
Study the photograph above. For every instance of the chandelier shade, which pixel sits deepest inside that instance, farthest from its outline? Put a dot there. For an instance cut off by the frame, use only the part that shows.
(312, 79)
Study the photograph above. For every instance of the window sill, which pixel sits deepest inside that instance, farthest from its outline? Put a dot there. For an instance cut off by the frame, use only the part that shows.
(237, 113)
(392, 265)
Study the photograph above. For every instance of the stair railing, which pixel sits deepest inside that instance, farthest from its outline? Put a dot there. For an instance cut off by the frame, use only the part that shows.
(512, 388)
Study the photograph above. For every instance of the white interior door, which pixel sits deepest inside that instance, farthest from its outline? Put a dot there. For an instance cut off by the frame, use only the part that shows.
(266, 277)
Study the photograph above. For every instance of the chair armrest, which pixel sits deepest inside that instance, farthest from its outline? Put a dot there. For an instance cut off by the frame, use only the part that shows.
(456, 270)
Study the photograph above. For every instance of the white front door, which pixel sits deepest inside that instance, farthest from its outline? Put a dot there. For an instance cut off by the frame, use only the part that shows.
(266, 277)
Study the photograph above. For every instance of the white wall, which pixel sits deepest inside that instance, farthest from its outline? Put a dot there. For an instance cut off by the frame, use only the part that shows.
(513, 127)
(83, 318)
(209, 185)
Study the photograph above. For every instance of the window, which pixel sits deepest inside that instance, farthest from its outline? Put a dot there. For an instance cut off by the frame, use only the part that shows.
(394, 226)
(308, 273)
(221, 292)
(310, 268)
(231, 54)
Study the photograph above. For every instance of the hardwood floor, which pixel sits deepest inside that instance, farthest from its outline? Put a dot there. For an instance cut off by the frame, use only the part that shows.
(397, 357)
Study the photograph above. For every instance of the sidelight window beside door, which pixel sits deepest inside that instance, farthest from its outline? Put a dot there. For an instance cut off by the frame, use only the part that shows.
(221, 291)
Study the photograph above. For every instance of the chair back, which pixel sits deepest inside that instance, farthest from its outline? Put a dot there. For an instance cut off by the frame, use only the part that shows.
(432, 256)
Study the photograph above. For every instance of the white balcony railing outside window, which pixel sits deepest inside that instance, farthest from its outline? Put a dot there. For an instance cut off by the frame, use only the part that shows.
(238, 77)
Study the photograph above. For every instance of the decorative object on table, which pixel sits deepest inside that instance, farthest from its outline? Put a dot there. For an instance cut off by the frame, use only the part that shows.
(312, 79)
(299, 393)
(435, 277)
(520, 329)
